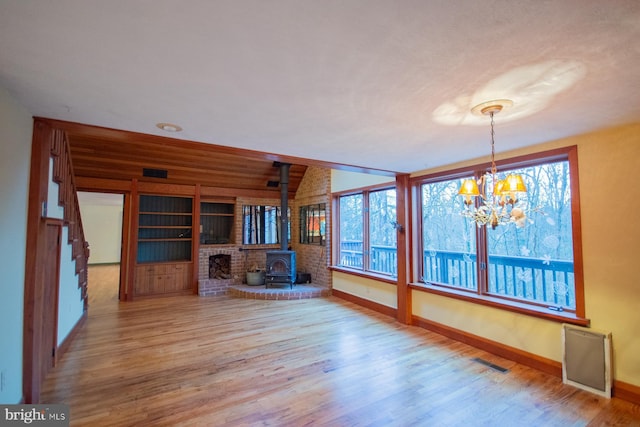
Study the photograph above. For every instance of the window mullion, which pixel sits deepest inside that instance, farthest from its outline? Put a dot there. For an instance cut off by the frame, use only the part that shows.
(366, 249)
(482, 267)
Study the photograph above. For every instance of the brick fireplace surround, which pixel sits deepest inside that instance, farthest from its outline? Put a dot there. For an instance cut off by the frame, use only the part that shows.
(210, 287)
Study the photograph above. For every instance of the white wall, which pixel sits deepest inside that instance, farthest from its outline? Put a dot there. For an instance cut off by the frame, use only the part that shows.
(70, 304)
(54, 210)
(16, 126)
(365, 288)
(102, 223)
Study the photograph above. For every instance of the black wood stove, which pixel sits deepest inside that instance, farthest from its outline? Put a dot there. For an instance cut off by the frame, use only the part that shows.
(281, 268)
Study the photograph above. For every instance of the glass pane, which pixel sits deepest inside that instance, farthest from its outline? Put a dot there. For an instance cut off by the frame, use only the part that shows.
(313, 224)
(535, 262)
(448, 238)
(261, 225)
(351, 230)
(382, 233)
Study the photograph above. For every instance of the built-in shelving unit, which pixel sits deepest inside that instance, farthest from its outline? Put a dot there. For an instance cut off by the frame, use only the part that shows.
(165, 230)
(165, 239)
(216, 223)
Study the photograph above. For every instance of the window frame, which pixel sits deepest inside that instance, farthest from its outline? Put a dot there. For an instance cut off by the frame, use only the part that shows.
(365, 271)
(249, 235)
(315, 212)
(481, 295)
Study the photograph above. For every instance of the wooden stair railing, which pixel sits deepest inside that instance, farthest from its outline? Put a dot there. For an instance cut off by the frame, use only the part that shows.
(68, 199)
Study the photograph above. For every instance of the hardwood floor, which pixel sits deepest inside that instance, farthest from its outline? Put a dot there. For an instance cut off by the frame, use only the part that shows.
(217, 361)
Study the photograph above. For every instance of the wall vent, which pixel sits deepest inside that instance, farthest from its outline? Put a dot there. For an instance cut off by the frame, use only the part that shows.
(586, 359)
(154, 173)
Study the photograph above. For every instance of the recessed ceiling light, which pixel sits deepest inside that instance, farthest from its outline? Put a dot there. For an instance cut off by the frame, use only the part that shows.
(169, 127)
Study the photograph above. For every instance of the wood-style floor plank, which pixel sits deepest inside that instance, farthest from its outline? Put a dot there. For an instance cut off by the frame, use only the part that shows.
(220, 361)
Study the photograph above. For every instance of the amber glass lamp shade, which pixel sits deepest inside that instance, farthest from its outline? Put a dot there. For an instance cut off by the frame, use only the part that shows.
(513, 183)
(468, 189)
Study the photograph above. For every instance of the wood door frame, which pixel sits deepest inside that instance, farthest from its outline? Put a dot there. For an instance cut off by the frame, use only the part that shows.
(124, 236)
(34, 271)
(124, 293)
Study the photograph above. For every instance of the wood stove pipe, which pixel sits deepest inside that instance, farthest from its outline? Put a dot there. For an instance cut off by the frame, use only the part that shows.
(284, 204)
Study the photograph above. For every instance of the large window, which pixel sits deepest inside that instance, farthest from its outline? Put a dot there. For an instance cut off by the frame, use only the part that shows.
(367, 232)
(531, 265)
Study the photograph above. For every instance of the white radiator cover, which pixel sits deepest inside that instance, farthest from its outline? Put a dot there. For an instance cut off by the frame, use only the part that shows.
(586, 359)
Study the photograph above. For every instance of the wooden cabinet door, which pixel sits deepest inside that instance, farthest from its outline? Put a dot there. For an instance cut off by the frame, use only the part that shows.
(158, 282)
(143, 284)
(170, 279)
(184, 278)
(165, 278)
(178, 278)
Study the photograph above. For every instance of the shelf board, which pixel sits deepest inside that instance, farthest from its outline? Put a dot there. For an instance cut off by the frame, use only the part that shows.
(217, 214)
(181, 261)
(178, 227)
(166, 213)
(176, 239)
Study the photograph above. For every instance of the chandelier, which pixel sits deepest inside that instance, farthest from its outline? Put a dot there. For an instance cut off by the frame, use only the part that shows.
(501, 207)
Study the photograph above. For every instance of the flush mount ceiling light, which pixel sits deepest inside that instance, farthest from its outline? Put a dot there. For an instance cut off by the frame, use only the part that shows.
(169, 127)
(501, 207)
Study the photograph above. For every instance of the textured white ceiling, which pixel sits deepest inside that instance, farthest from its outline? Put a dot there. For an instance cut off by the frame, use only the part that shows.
(382, 84)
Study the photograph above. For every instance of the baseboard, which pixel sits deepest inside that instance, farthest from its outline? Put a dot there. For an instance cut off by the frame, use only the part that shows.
(531, 360)
(64, 346)
(626, 391)
(372, 305)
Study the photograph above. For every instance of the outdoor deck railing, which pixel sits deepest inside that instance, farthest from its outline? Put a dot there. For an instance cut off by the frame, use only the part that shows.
(546, 281)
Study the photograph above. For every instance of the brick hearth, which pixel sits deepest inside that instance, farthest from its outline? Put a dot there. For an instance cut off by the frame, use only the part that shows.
(301, 291)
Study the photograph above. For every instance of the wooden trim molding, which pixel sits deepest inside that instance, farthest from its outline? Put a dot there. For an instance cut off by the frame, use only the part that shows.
(34, 272)
(195, 246)
(233, 193)
(403, 238)
(161, 188)
(366, 274)
(372, 305)
(523, 357)
(626, 391)
(84, 183)
(133, 212)
(503, 304)
(64, 346)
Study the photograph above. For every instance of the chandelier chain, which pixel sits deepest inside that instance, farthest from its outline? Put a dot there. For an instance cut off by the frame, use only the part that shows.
(494, 169)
